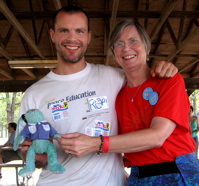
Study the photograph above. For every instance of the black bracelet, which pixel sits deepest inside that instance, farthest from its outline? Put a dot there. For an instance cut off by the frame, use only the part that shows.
(101, 145)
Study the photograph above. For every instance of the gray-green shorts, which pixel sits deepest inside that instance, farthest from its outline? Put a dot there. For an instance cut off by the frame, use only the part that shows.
(10, 155)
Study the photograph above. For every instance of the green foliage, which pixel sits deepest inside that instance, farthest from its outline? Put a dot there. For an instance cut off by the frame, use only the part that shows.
(19, 97)
(194, 99)
(3, 113)
(6, 100)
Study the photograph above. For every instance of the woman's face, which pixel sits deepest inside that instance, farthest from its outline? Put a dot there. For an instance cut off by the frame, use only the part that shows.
(132, 54)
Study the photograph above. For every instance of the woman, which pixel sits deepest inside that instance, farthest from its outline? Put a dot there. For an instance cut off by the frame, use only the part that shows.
(156, 110)
(153, 118)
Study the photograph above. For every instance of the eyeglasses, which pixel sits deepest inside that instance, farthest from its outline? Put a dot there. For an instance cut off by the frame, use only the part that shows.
(132, 43)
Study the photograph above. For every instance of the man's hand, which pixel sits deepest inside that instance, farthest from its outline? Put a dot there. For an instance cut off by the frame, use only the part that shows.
(41, 158)
(164, 69)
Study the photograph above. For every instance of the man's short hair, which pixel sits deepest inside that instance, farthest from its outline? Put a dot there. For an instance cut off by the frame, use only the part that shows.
(13, 125)
(71, 10)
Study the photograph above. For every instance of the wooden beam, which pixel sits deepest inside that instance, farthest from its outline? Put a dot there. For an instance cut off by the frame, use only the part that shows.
(28, 64)
(163, 17)
(182, 23)
(6, 74)
(114, 14)
(184, 43)
(191, 63)
(112, 24)
(8, 35)
(41, 32)
(57, 4)
(195, 74)
(25, 45)
(175, 41)
(160, 35)
(104, 56)
(196, 22)
(192, 83)
(146, 19)
(50, 40)
(22, 85)
(6, 54)
(15, 86)
(47, 31)
(10, 16)
(106, 31)
(107, 14)
(33, 23)
(30, 73)
(106, 36)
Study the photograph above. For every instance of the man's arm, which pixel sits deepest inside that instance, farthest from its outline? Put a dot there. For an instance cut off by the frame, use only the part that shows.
(10, 141)
(164, 69)
(5, 144)
(41, 159)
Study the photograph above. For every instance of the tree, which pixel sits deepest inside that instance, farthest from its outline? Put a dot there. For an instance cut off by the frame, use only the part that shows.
(10, 107)
(194, 99)
(11, 102)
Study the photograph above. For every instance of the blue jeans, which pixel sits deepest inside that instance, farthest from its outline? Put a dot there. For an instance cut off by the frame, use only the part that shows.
(188, 165)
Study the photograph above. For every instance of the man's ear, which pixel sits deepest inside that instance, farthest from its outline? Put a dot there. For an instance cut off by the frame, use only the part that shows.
(52, 32)
(89, 36)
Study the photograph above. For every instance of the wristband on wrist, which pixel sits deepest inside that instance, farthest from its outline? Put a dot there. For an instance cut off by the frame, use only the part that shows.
(106, 144)
(101, 145)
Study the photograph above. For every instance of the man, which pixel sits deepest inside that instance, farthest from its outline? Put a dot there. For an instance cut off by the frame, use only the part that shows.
(9, 155)
(79, 96)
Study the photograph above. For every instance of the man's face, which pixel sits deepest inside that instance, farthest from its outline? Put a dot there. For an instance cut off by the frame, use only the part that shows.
(71, 36)
(10, 129)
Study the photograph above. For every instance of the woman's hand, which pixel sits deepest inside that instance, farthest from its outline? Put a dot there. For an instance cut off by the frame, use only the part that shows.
(78, 144)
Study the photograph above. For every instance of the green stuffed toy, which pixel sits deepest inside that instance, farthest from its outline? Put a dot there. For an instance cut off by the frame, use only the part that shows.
(39, 131)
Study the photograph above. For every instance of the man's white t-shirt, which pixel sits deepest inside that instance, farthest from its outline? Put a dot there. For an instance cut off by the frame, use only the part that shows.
(82, 102)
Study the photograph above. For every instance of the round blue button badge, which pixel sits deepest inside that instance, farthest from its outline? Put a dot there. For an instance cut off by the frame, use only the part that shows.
(147, 92)
(153, 98)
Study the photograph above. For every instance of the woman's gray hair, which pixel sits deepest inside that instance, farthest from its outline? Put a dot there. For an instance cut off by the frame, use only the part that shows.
(117, 31)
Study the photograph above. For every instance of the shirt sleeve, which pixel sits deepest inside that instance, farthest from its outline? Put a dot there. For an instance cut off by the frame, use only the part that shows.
(52, 131)
(11, 139)
(174, 103)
